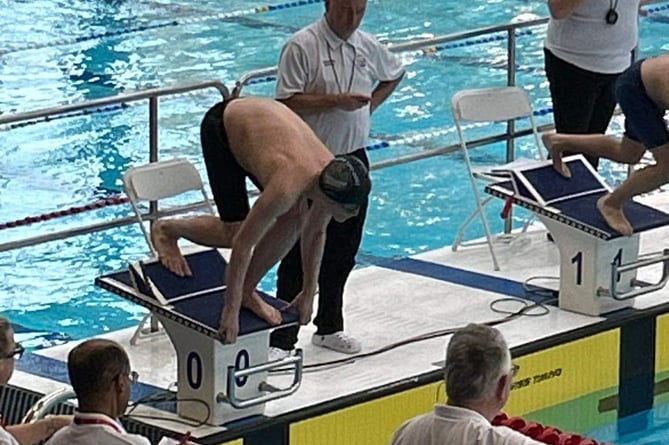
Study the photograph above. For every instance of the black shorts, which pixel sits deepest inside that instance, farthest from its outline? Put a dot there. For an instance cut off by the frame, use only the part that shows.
(644, 119)
(227, 178)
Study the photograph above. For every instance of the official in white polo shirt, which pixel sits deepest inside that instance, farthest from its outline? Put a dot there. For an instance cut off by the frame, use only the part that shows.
(334, 76)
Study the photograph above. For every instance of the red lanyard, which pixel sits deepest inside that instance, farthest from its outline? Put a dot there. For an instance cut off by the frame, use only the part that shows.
(97, 421)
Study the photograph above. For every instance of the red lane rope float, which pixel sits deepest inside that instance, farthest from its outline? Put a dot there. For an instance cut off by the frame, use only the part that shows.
(111, 201)
(546, 434)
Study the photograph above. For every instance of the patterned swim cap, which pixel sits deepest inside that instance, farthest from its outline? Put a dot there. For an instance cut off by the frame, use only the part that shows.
(346, 180)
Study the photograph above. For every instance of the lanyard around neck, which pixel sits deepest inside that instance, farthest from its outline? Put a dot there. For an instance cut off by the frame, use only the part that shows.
(334, 68)
(97, 421)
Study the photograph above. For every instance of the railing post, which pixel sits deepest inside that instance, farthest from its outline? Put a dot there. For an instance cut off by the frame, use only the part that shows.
(153, 157)
(510, 125)
(153, 129)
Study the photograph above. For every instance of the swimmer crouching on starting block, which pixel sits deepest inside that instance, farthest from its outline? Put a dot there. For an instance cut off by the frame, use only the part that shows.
(643, 94)
(302, 187)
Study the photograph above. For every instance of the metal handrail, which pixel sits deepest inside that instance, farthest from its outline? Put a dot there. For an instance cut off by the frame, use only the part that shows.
(152, 96)
(509, 28)
(121, 98)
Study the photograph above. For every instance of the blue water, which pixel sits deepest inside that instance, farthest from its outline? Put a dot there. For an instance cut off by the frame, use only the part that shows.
(57, 52)
(646, 428)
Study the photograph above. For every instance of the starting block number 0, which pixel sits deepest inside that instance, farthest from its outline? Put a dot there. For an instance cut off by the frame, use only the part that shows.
(194, 368)
(578, 261)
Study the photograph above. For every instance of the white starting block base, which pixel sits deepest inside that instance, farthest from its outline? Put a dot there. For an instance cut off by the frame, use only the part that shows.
(598, 266)
(585, 268)
(216, 383)
(202, 368)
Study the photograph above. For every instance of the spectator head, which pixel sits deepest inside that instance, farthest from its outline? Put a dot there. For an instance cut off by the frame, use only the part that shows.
(9, 350)
(100, 375)
(478, 369)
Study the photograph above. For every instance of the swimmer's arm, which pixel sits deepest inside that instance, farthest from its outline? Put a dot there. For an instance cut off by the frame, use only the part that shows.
(271, 203)
(312, 245)
(561, 9)
(382, 91)
(275, 244)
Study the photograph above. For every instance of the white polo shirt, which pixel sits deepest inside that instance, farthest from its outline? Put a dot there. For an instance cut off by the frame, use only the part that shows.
(585, 39)
(316, 61)
(7, 439)
(452, 425)
(94, 428)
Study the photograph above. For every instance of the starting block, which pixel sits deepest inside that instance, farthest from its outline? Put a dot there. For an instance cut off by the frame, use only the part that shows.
(598, 266)
(216, 383)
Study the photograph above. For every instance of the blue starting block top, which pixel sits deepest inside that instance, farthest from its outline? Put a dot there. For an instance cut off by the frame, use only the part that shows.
(571, 201)
(195, 301)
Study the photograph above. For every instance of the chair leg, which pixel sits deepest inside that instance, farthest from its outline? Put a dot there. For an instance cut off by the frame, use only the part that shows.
(486, 228)
(142, 332)
(461, 232)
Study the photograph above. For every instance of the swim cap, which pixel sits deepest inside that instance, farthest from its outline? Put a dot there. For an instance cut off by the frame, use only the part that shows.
(346, 180)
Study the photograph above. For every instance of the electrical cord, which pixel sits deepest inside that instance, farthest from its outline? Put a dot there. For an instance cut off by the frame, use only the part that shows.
(525, 310)
(166, 396)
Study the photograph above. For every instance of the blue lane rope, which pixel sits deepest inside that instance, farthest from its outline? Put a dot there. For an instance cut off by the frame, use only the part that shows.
(257, 10)
(121, 106)
(653, 9)
(141, 28)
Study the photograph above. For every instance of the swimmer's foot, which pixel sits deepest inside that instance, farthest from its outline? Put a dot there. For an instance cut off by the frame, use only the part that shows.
(614, 216)
(262, 309)
(168, 249)
(552, 144)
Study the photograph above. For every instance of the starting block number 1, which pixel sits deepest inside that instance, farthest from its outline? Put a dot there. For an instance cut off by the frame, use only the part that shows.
(577, 260)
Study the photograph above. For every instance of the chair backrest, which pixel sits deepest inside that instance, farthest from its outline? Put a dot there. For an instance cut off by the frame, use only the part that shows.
(160, 180)
(491, 104)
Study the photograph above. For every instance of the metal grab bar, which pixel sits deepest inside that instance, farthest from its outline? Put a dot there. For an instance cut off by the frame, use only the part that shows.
(44, 405)
(639, 287)
(272, 393)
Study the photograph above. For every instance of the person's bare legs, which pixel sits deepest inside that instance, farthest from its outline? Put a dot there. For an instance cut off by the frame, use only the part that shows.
(613, 215)
(641, 181)
(625, 151)
(205, 230)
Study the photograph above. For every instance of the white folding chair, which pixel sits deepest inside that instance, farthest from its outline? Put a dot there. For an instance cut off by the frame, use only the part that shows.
(152, 182)
(488, 105)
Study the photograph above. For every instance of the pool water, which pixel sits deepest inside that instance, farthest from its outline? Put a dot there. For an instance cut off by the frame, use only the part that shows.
(646, 428)
(57, 52)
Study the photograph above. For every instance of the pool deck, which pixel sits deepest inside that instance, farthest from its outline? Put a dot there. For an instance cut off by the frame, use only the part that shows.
(386, 304)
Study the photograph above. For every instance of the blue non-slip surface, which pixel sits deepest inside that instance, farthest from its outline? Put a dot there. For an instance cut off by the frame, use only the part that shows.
(575, 199)
(550, 185)
(208, 269)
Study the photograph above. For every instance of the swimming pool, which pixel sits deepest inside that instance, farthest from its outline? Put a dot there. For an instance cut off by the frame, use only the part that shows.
(64, 51)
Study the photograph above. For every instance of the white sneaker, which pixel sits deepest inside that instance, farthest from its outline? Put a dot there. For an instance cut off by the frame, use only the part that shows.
(338, 341)
(276, 354)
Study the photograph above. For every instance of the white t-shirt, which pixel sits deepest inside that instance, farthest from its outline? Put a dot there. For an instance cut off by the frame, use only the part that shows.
(7, 439)
(585, 39)
(93, 428)
(451, 425)
(316, 61)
